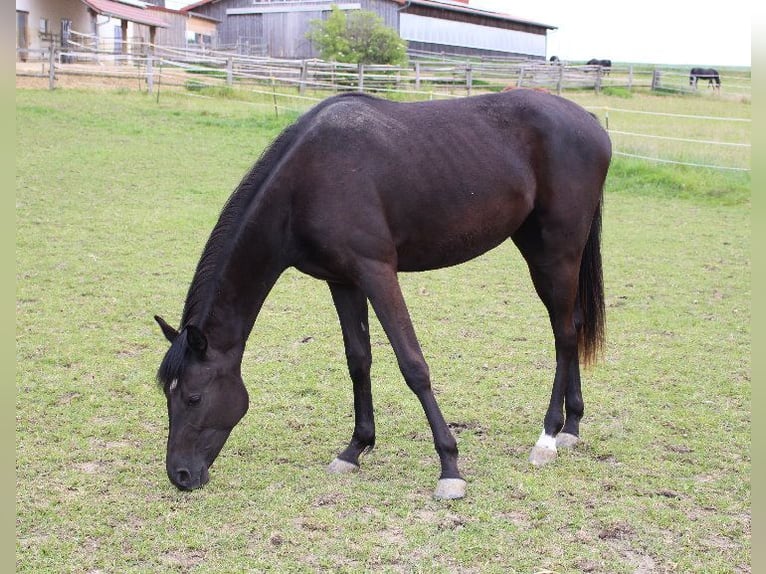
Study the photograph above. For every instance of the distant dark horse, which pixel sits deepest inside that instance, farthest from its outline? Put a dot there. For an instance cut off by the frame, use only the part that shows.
(709, 74)
(359, 189)
(606, 65)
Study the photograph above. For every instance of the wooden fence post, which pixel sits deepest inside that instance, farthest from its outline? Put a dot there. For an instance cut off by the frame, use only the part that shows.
(521, 77)
(52, 67)
(149, 73)
(229, 71)
(560, 80)
(630, 77)
(361, 78)
(656, 80)
(468, 78)
(417, 75)
(304, 73)
(597, 86)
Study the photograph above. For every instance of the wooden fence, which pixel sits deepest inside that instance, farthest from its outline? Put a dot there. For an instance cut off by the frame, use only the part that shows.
(296, 85)
(437, 76)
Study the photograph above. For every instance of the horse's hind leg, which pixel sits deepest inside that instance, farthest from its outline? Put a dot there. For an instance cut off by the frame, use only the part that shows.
(555, 275)
(569, 435)
(351, 305)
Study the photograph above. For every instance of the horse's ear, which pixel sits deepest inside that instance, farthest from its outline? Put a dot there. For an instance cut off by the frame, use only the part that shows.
(197, 340)
(169, 332)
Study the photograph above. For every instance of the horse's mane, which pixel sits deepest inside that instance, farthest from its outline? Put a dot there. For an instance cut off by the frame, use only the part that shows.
(224, 235)
(231, 221)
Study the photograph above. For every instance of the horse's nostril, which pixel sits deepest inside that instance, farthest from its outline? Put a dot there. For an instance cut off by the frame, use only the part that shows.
(183, 477)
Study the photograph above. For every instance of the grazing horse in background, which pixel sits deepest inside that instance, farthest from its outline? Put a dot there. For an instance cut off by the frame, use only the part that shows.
(709, 74)
(359, 189)
(606, 65)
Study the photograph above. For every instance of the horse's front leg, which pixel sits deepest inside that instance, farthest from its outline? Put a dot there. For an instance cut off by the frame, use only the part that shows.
(351, 305)
(380, 282)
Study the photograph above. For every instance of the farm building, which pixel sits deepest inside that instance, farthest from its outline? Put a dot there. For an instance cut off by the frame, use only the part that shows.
(108, 25)
(69, 22)
(277, 28)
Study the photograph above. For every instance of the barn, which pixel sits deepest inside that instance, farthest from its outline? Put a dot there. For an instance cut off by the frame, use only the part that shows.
(277, 28)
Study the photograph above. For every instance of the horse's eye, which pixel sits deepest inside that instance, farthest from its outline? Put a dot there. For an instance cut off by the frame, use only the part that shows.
(194, 400)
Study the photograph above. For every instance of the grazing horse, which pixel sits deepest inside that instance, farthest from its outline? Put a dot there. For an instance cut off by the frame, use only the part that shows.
(359, 189)
(606, 65)
(709, 74)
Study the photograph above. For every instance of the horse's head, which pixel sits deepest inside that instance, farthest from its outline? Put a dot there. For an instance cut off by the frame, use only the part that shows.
(206, 398)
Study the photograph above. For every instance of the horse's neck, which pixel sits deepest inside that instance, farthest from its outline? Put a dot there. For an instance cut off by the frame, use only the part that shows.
(251, 270)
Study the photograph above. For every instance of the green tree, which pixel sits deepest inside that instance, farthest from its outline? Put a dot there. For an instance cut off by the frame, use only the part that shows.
(360, 37)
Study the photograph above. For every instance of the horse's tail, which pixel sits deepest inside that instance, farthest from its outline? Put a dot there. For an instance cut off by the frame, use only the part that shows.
(590, 294)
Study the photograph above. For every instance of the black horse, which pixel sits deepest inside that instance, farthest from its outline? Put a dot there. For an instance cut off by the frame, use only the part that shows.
(709, 74)
(605, 65)
(359, 189)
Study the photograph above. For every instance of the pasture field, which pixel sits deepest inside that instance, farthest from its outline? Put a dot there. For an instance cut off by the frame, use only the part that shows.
(116, 194)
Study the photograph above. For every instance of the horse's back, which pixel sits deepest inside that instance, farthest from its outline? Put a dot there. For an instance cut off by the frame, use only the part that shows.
(438, 183)
(510, 131)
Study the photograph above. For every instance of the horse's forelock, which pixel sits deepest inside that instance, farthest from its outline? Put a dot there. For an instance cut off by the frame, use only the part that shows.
(175, 359)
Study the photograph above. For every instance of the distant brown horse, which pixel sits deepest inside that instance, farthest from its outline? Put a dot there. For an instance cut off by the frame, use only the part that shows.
(360, 189)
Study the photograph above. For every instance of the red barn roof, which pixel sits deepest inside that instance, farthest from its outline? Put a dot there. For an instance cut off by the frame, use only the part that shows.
(126, 12)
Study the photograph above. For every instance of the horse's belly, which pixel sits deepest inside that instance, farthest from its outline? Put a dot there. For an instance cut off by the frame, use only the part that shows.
(444, 255)
(432, 247)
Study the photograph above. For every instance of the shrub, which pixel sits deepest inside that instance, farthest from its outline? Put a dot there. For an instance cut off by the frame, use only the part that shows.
(360, 37)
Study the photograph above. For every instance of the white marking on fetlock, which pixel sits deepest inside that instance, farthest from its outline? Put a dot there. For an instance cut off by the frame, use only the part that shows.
(544, 450)
(546, 441)
(566, 440)
(450, 488)
(339, 466)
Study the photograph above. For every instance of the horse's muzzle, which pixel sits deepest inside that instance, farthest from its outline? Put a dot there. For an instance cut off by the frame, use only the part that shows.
(185, 479)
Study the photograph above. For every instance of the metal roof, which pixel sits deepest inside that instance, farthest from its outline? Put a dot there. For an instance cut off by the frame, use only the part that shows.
(450, 5)
(456, 6)
(126, 12)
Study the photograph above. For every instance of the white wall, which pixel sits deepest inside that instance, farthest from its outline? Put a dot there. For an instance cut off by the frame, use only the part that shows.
(437, 31)
(75, 10)
(54, 11)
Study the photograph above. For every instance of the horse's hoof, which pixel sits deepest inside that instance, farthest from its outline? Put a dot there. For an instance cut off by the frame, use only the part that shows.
(566, 440)
(541, 455)
(450, 488)
(339, 466)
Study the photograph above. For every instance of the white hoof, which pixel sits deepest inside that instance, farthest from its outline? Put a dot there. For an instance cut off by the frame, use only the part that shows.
(566, 440)
(540, 456)
(450, 488)
(544, 450)
(339, 466)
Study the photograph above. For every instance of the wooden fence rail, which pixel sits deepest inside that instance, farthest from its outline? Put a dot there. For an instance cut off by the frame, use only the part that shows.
(196, 68)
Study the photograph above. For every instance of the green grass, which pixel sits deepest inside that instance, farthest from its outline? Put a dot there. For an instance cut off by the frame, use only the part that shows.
(628, 127)
(115, 197)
